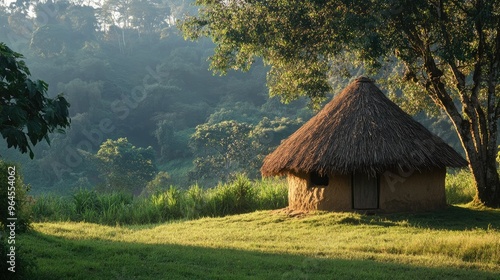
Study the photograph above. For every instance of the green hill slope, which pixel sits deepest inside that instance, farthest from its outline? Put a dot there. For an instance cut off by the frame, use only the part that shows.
(456, 243)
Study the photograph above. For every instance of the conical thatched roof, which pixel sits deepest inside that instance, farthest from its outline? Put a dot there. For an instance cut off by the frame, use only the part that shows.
(360, 130)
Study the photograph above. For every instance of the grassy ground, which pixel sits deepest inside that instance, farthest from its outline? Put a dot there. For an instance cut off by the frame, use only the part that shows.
(455, 243)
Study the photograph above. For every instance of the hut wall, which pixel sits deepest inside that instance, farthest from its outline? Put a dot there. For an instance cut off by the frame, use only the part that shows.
(414, 192)
(302, 195)
(418, 191)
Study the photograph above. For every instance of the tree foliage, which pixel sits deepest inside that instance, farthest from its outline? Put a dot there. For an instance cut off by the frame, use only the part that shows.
(124, 166)
(447, 51)
(221, 149)
(27, 115)
(296, 38)
(229, 147)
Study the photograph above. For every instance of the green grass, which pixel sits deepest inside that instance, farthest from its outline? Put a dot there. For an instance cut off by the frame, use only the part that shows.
(460, 187)
(238, 196)
(460, 242)
(455, 243)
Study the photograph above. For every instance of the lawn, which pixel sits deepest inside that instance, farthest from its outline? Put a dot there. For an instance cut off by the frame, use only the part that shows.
(456, 243)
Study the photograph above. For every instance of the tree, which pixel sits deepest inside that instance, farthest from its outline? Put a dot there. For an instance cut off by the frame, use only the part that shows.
(26, 113)
(228, 147)
(67, 28)
(449, 50)
(125, 167)
(50, 40)
(144, 17)
(221, 149)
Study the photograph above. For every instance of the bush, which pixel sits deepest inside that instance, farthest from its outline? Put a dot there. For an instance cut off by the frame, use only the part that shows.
(112, 206)
(157, 184)
(460, 187)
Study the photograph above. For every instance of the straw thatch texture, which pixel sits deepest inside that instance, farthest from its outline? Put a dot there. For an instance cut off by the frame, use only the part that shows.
(360, 130)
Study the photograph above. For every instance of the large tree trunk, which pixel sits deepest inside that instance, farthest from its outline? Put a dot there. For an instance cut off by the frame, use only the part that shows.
(486, 179)
(478, 136)
(476, 120)
(476, 130)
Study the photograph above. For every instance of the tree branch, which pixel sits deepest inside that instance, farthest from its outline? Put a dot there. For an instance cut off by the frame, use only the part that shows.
(459, 76)
(476, 113)
(493, 104)
(478, 67)
(494, 71)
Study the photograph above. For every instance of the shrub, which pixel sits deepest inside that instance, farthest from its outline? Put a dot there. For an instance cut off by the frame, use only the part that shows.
(142, 212)
(112, 206)
(244, 194)
(114, 200)
(460, 187)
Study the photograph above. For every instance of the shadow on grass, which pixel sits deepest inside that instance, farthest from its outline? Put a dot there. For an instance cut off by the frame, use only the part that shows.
(60, 258)
(450, 218)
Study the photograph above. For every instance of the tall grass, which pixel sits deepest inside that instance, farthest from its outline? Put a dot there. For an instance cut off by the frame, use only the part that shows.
(234, 198)
(460, 187)
(239, 196)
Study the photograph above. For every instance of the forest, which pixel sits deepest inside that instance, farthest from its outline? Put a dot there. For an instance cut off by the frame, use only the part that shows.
(137, 87)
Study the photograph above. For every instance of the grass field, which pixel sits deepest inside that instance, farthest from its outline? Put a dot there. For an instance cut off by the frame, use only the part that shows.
(455, 243)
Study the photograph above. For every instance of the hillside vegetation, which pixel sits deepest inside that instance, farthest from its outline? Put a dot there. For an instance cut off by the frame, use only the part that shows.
(139, 88)
(455, 243)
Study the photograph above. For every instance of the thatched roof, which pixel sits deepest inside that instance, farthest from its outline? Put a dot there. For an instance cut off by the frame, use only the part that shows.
(360, 130)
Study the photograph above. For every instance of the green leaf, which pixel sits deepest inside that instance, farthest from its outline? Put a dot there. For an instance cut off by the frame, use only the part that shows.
(29, 113)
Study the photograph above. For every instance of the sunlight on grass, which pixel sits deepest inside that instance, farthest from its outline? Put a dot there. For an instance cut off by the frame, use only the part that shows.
(460, 187)
(417, 239)
(460, 242)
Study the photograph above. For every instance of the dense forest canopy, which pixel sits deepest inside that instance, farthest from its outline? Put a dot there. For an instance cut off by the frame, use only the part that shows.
(130, 77)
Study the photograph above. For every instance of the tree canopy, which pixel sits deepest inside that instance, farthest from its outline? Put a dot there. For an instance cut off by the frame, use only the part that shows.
(447, 51)
(125, 167)
(27, 115)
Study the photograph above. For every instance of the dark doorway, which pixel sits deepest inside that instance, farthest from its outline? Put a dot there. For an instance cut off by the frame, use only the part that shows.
(365, 191)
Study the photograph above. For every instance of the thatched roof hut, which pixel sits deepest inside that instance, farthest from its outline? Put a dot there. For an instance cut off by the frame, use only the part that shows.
(361, 132)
